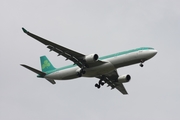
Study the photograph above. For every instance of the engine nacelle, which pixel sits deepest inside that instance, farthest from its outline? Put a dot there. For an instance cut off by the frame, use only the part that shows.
(124, 78)
(91, 58)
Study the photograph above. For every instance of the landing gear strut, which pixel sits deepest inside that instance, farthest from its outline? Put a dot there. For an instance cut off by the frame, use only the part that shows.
(97, 85)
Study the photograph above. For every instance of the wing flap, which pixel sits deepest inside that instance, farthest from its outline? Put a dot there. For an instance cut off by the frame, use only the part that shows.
(67, 55)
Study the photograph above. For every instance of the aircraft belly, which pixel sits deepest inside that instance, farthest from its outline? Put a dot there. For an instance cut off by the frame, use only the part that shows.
(99, 70)
(64, 74)
(90, 72)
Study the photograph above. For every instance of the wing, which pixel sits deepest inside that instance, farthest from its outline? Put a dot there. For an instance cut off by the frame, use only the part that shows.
(69, 54)
(111, 80)
(121, 88)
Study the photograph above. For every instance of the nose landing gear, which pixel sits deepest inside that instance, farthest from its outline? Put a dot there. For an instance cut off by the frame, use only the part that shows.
(141, 63)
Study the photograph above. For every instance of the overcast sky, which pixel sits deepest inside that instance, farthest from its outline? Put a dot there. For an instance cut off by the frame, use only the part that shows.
(92, 26)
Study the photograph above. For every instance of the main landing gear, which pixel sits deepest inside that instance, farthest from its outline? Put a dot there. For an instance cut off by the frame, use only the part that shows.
(82, 71)
(104, 80)
(99, 84)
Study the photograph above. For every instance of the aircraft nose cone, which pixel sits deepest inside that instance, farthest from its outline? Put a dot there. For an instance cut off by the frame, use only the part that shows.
(153, 52)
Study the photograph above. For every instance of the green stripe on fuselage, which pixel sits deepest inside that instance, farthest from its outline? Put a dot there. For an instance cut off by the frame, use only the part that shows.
(125, 52)
(104, 57)
(62, 68)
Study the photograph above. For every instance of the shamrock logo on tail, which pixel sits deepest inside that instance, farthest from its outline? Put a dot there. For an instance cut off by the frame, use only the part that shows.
(46, 64)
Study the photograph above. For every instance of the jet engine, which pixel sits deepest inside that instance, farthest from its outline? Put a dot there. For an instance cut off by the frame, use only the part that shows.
(91, 58)
(124, 78)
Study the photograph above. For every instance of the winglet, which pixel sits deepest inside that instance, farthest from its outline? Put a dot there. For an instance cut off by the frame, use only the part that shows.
(24, 30)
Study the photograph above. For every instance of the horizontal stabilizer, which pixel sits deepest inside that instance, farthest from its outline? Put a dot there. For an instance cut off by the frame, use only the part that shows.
(42, 74)
(51, 81)
(24, 30)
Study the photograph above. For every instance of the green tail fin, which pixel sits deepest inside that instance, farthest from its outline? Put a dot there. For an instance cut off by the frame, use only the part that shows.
(46, 64)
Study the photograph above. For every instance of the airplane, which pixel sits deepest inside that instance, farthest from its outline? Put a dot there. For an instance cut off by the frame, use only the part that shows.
(104, 68)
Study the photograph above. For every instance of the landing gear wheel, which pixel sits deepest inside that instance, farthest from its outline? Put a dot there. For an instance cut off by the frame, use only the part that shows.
(101, 83)
(141, 65)
(79, 74)
(82, 71)
(97, 85)
(112, 87)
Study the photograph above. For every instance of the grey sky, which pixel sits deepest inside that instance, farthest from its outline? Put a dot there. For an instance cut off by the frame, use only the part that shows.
(91, 26)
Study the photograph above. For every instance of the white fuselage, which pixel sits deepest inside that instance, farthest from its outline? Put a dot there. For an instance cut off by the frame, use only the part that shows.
(111, 64)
